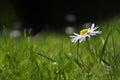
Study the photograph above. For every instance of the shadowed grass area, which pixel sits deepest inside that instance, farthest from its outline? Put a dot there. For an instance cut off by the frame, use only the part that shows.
(51, 56)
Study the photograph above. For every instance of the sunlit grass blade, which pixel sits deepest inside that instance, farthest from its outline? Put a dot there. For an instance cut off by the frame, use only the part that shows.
(113, 42)
(105, 44)
(105, 63)
(39, 53)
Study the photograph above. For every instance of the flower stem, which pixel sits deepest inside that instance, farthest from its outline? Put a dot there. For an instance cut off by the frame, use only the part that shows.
(89, 48)
(78, 50)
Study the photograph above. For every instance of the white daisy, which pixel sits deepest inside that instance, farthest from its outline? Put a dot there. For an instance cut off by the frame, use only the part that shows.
(85, 33)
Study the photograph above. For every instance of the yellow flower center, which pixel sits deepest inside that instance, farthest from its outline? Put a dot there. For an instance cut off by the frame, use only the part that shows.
(82, 32)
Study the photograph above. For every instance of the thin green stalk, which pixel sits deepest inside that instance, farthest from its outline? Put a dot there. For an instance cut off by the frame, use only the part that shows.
(89, 48)
(77, 60)
(78, 50)
(5, 34)
(113, 42)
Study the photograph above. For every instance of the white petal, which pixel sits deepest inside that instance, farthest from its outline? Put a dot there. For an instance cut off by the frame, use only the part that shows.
(95, 28)
(72, 36)
(77, 37)
(76, 34)
(80, 40)
(96, 32)
(91, 31)
(93, 25)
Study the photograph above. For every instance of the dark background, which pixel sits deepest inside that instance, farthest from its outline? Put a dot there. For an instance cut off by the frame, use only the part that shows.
(41, 14)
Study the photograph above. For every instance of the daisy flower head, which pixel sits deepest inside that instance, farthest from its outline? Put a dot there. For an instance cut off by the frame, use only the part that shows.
(85, 33)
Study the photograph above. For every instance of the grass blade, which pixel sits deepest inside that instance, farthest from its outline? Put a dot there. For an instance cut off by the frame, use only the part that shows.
(104, 46)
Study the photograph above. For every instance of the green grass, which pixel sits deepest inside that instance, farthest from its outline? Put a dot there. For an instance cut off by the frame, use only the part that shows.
(52, 56)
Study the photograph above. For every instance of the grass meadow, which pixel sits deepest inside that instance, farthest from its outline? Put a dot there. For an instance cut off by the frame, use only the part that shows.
(51, 56)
